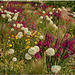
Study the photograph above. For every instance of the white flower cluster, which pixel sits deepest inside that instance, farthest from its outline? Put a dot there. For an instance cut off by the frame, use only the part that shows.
(73, 14)
(41, 37)
(9, 15)
(50, 52)
(11, 51)
(19, 35)
(31, 51)
(51, 22)
(55, 68)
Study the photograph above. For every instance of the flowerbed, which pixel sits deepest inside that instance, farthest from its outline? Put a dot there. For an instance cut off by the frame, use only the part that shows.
(35, 39)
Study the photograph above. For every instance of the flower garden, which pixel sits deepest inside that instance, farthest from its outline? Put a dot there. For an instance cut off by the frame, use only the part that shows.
(36, 38)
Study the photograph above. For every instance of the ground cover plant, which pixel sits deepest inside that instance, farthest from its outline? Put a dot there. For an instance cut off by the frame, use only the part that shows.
(35, 38)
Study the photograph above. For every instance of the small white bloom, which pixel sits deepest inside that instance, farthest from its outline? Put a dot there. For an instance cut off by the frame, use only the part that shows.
(1, 6)
(28, 33)
(46, 16)
(14, 25)
(2, 11)
(56, 11)
(51, 22)
(9, 20)
(14, 59)
(50, 52)
(22, 28)
(41, 17)
(18, 25)
(50, 13)
(36, 4)
(19, 35)
(32, 51)
(21, 24)
(15, 10)
(40, 21)
(12, 29)
(55, 68)
(53, 9)
(28, 57)
(55, 26)
(14, 18)
(3, 15)
(60, 9)
(73, 15)
(43, 12)
(51, 17)
(11, 51)
(37, 48)
(40, 37)
(48, 19)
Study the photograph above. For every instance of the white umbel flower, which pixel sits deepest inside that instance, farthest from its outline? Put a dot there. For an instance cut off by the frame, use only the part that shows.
(50, 13)
(18, 25)
(43, 12)
(36, 4)
(14, 25)
(14, 59)
(3, 15)
(41, 37)
(55, 68)
(74, 16)
(50, 52)
(37, 48)
(22, 28)
(53, 9)
(51, 22)
(11, 51)
(9, 20)
(12, 29)
(1, 6)
(74, 13)
(19, 35)
(28, 33)
(28, 57)
(55, 26)
(41, 17)
(60, 9)
(40, 21)
(14, 18)
(32, 51)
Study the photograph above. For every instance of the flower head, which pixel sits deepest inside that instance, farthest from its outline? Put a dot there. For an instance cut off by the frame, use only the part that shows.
(28, 57)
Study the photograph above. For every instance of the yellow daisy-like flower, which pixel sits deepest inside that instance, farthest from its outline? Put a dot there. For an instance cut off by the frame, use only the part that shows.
(31, 31)
(21, 51)
(35, 42)
(70, 29)
(38, 33)
(27, 47)
(9, 36)
(26, 39)
(28, 36)
(16, 37)
(10, 45)
(28, 42)
(12, 35)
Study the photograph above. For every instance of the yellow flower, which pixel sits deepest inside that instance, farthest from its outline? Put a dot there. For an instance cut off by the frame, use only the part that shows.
(28, 36)
(12, 42)
(10, 45)
(21, 51)
(27, 47)
(26, 40)
(22, 35)
(12, 35)
(9, 36)
(16, 37)
(38, 33)
(31, 31)
(35, 36)
(70, 29)
(35, 42)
